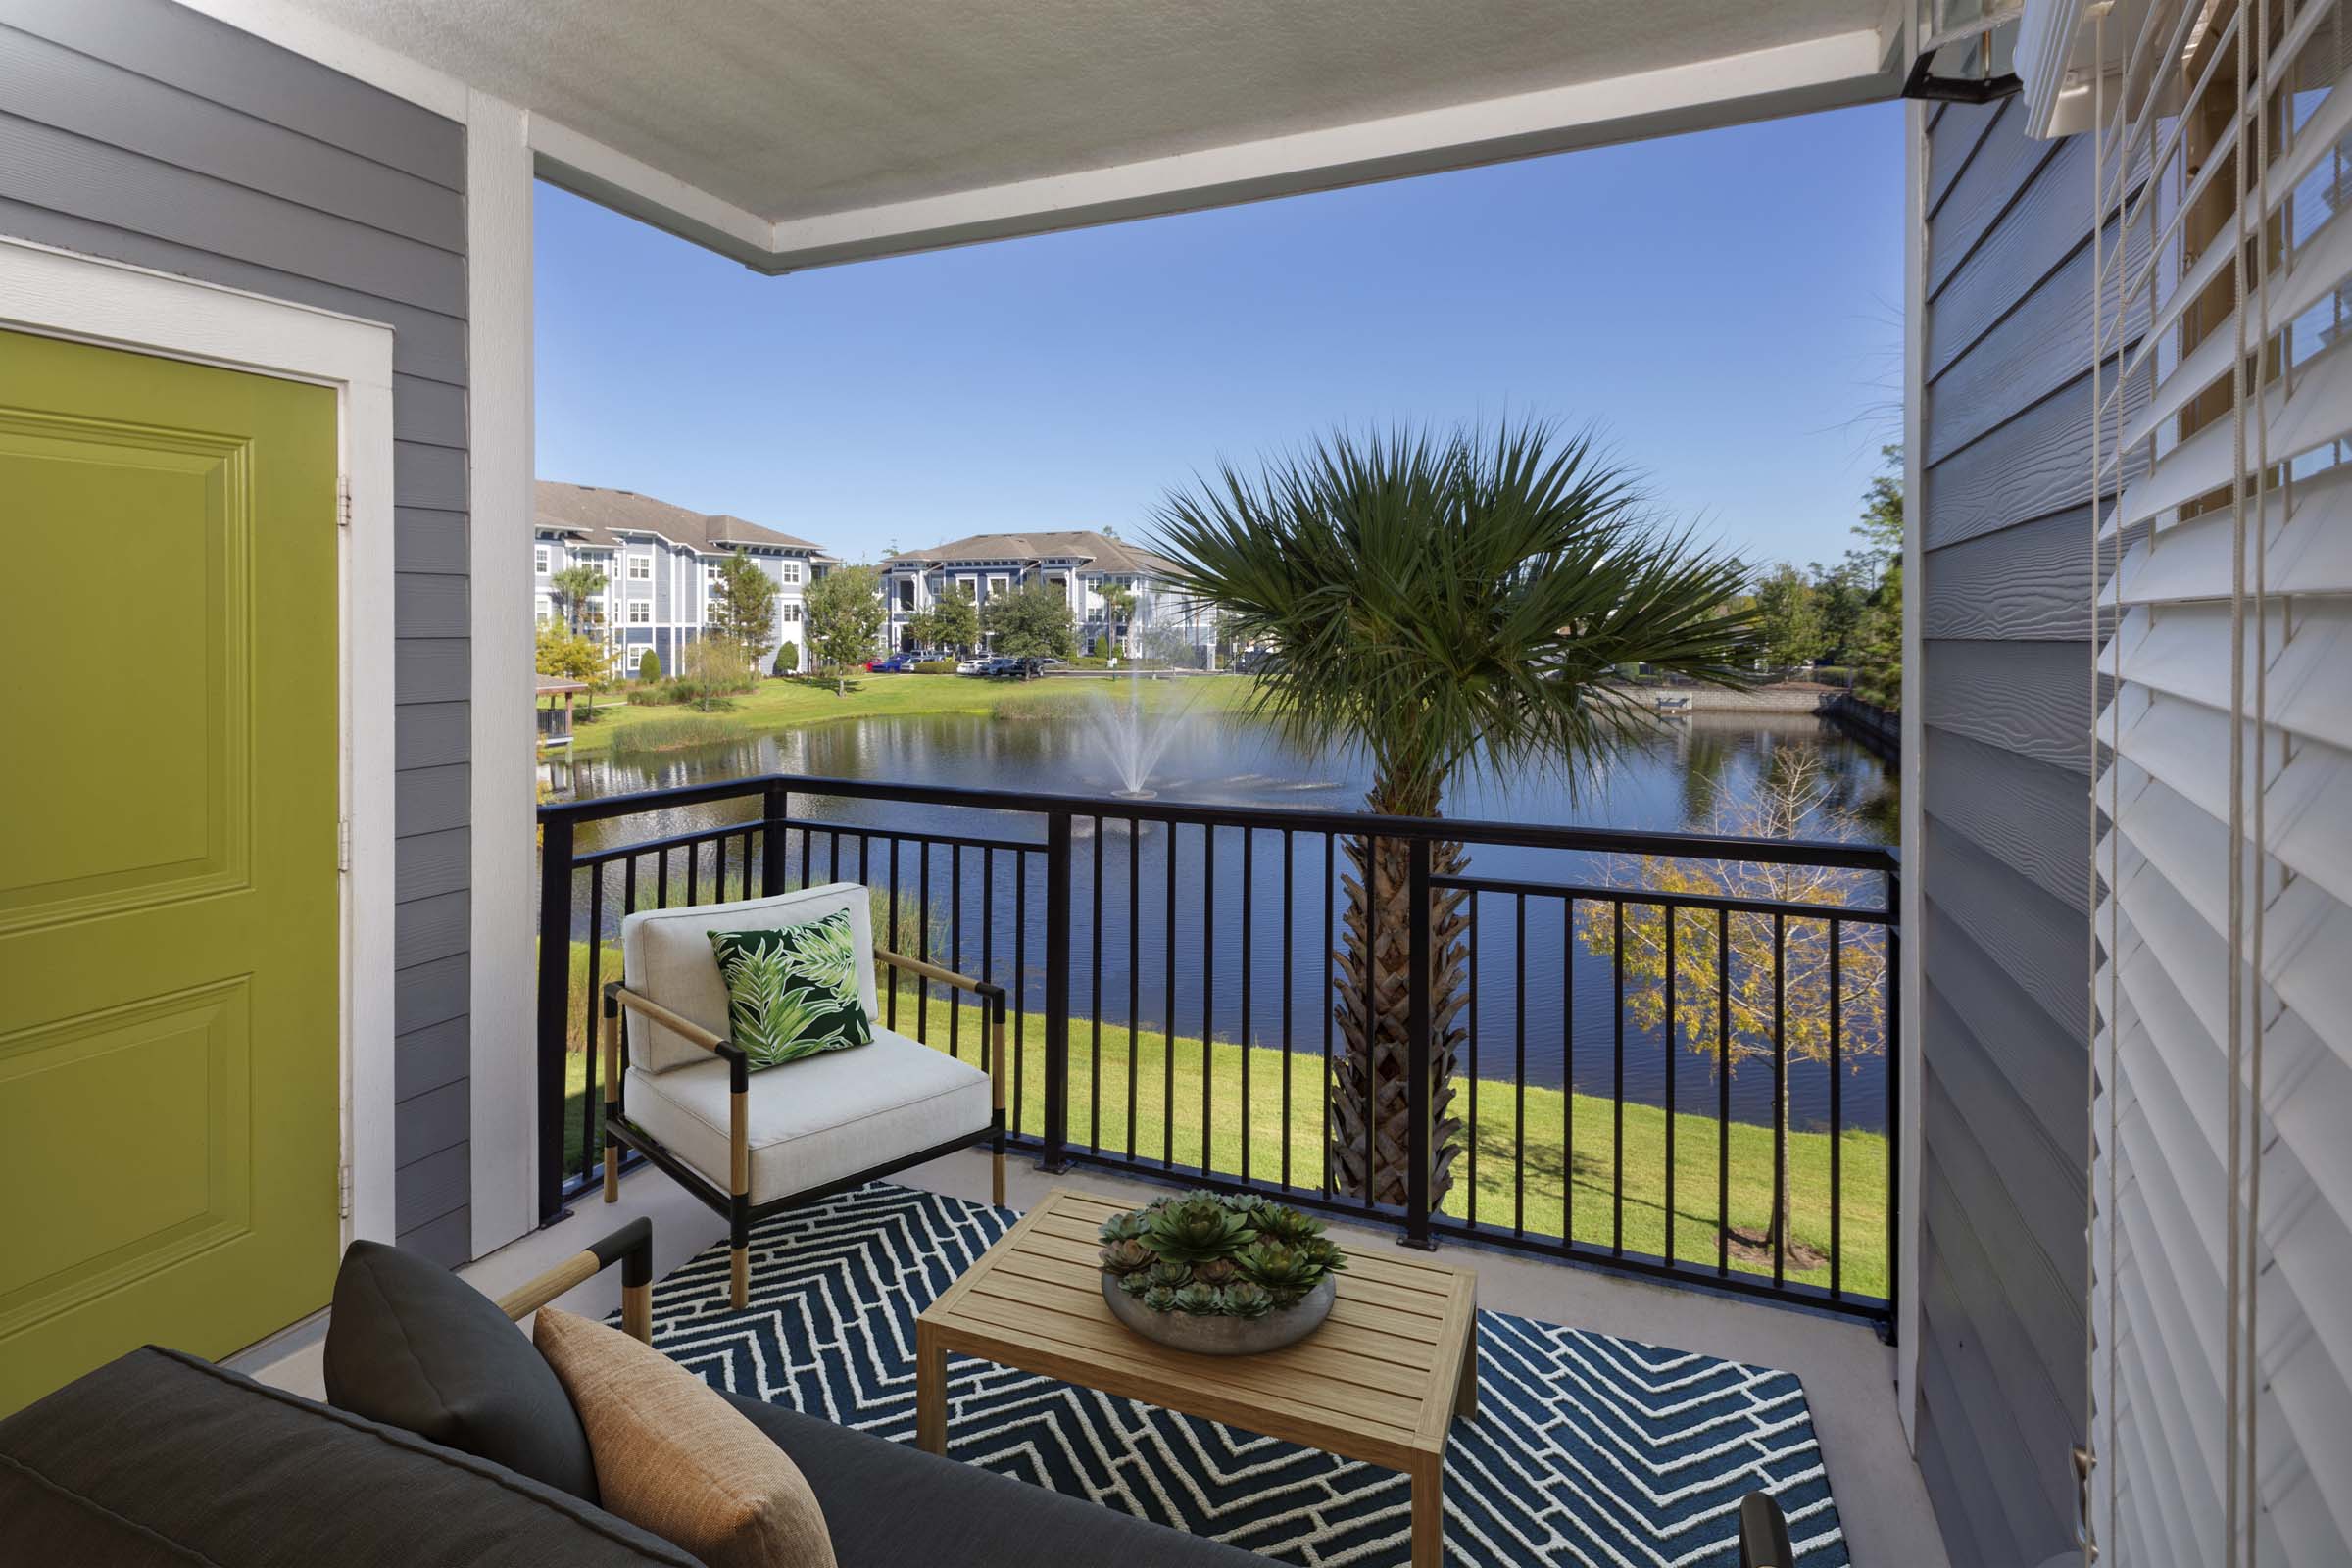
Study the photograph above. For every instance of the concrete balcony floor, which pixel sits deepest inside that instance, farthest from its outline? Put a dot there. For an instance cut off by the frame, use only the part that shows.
(1848, 1374)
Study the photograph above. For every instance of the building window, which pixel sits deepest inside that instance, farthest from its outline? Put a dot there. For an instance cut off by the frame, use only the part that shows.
(969, 587)
(789, 615)
(539, 560)
(997, 585)
(788, 571)
(641, 566)
(710, 572)
(905, 593)
(641, 611)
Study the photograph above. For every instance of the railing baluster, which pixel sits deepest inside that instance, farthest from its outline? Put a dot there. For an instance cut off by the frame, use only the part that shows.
(1837, 1121)
(1249, 939)
(1568, 1071)
(1020, 979)
(694, 875)
(1668, 916)
(956, 961)
(1518, 1071)
(591, 1006)
(922, 938)
(1058, 868)
(775, 808)
(1208, 994)
(1167, 1017)
(1617, 1080)
(1369, 1100)
(895, 939)
(1094, 1073)
(1779, 1099)
(1471, 930)
(1723, 1092)
(1135, 972)
(1331, 899)
(1287, 996)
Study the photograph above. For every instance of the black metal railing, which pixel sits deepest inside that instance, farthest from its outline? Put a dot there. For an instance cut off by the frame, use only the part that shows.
(1174, 969)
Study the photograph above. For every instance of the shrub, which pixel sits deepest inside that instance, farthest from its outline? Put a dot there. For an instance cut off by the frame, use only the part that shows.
(788, 658)
(648, 666)
(650, 696)
(936, 666)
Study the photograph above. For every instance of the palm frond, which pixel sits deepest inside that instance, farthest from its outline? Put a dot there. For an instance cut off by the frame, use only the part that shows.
(1454, 601)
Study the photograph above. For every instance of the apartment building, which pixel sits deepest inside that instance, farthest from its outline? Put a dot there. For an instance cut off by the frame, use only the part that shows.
(660, 564)
(1078, 563)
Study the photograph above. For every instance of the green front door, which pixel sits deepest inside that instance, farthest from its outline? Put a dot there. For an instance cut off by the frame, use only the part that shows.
(170, 1042)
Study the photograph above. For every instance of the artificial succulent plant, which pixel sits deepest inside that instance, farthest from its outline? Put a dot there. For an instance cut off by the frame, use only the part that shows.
(1218, 1254)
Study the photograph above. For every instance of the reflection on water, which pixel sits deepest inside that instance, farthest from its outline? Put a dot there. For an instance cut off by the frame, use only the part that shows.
(1669, 783)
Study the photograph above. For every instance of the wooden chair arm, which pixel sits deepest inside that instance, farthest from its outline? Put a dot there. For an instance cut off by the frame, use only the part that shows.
(631, 1246)
(618, 995)
(984, 989)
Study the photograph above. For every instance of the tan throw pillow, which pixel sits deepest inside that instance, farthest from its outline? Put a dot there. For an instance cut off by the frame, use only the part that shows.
(674, 1457)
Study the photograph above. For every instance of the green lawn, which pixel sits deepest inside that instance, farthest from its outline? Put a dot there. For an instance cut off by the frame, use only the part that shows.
(782, 704)
(1511, 1135)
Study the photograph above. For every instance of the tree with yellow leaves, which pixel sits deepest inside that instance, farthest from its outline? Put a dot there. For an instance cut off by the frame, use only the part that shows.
(1791, 799)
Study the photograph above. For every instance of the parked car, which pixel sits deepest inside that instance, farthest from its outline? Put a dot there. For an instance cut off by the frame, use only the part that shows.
(894, 665)
(1251, 660)
(976, 666)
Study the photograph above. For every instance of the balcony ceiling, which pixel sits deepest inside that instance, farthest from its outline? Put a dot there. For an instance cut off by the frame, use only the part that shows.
(853, 121)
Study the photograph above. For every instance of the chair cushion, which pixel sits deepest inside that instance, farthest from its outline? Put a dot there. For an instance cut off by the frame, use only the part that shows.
(816, 1120)
(793, 992)
(159, 1458)
(412, 1345)
(665, 954)
(673, 1456)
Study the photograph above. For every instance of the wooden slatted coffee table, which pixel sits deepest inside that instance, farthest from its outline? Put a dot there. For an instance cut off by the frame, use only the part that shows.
(1380, 1382)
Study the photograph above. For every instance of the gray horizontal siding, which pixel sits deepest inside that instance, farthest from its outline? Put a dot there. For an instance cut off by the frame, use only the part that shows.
(2006, 700)
(143, 131)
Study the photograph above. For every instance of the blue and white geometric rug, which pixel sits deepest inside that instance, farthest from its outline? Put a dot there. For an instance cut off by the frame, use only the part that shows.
(1586, 1449)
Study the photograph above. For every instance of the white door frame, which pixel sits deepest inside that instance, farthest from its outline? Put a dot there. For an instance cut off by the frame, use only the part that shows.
(88, 299)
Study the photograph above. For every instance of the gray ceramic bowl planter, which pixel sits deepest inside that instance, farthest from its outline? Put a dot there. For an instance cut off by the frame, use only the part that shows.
(1210, 1335)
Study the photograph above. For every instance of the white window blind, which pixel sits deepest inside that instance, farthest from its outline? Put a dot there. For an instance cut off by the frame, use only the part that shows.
(2221, 1319)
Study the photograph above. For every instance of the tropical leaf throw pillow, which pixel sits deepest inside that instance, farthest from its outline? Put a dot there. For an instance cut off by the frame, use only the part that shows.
(793, 993)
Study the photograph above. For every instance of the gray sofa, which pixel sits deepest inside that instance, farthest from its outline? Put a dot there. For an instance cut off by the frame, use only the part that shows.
(162, 1458)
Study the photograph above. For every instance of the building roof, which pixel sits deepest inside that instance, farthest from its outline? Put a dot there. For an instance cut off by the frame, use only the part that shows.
(1099, 550)
(600, 515)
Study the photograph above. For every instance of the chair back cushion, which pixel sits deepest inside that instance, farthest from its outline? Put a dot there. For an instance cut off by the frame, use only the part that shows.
(411, 1344)
(665, 954)
(674, 1457)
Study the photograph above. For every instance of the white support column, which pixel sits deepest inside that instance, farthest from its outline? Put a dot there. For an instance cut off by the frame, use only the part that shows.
(497, 237)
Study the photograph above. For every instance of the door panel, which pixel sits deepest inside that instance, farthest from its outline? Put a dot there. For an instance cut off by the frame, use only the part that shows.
(170, 1054)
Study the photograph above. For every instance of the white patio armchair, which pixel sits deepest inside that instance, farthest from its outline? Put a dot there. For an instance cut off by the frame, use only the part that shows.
(752, 1144)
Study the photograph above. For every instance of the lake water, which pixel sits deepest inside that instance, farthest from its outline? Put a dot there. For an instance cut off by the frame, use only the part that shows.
(1671, 783)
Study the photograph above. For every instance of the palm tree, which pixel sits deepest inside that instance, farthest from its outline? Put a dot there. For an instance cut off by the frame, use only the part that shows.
(1441, 604)
(575, 586)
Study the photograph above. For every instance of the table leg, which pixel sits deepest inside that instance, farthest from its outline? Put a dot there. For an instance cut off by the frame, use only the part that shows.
(930, 1390)
(1465, 1393)
(1429, 1510)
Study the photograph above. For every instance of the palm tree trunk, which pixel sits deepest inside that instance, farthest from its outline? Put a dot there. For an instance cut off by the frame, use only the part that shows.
(1372, 1104)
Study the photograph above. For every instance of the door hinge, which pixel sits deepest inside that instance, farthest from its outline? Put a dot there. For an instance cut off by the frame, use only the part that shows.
(342, 500)
(343, 1191)
(342, 842)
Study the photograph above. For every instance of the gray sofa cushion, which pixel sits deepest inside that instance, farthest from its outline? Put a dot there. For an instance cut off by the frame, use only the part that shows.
(159, 1457)
(411, 1345)
(890, 1505)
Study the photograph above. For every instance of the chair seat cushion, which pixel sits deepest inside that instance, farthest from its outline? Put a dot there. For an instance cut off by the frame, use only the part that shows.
(818, 1120)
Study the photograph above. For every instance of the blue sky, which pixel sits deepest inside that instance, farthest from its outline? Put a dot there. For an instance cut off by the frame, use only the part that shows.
(1724, 307)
